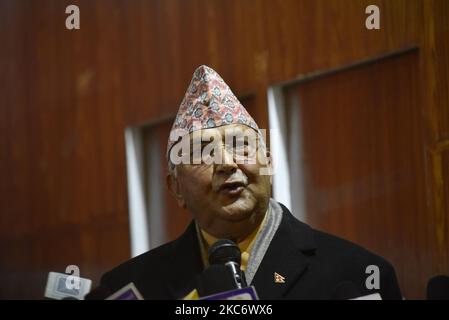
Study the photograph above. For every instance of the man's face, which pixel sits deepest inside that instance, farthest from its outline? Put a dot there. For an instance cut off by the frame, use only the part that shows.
(227, 199)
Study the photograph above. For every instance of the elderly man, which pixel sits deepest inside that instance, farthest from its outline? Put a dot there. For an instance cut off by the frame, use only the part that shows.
(219, 171)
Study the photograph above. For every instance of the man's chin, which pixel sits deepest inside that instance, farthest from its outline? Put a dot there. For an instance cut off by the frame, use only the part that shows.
(239, 210)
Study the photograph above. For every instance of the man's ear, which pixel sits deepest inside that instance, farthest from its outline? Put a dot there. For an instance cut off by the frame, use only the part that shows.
(174, 188)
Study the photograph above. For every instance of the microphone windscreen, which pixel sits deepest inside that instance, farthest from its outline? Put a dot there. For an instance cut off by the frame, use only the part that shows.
(223, 251)
(438, 288)
(344, 291)
(215, 279)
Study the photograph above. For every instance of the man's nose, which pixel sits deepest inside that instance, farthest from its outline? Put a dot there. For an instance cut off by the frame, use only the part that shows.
(228, 164)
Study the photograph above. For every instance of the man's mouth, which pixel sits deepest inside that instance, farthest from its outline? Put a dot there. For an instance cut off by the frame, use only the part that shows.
(232, 188)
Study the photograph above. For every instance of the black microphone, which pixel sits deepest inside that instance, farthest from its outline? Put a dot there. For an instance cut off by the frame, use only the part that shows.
(438, 288)
(226, 252)
(214, 279)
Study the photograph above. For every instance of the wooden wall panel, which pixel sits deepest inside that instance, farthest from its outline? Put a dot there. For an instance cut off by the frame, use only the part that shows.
(318, 35)
(442, 225)
(439, 218)
(64, 166)
(435, 47)
(363, 163)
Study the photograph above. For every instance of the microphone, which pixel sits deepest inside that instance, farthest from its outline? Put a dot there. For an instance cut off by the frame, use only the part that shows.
(216, 278)
(63, 286)
(223, 279)
(218, 283)
(438, 288)
(226, 252)
(347, 290)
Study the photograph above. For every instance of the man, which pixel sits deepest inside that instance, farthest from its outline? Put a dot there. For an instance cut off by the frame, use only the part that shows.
(230, 199)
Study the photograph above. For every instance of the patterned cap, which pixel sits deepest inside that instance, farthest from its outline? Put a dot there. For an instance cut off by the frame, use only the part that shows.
(208, 103)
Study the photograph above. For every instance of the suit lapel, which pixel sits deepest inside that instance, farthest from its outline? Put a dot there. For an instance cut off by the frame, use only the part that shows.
(286, 259)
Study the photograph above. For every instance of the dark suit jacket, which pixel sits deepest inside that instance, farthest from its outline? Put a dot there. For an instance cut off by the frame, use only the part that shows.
(313, 264)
